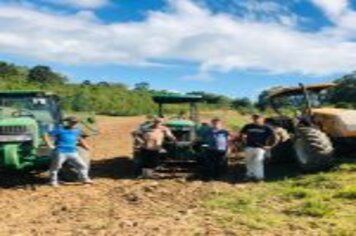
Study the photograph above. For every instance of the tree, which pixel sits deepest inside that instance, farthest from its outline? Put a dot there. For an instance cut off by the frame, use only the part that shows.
(119, 85)
(104, 84)
(142, 86)
(7, 69)
(263, 101)
(86, 83)
(212, 98)
(82, 101)
(44, 75)
(345, 92)
(238, 103)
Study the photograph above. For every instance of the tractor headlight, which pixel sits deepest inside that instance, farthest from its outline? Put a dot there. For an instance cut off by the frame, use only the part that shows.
(15, 138)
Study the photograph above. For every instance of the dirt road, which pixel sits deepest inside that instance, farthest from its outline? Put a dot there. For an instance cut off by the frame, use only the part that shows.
(116, 205)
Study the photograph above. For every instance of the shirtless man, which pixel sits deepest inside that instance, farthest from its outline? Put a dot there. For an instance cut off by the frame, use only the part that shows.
(152, 141)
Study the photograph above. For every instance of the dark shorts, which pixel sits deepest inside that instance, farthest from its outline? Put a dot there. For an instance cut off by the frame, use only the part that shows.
(149, 158)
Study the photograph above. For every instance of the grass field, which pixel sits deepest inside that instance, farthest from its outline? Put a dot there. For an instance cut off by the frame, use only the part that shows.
(231, 119)
(314, 204)
(317, 204)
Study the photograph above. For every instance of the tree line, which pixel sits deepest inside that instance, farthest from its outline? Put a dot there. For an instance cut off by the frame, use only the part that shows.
(100, 97)
(117, 99)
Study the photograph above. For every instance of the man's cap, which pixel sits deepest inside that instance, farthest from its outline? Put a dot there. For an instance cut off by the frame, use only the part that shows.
(257, 115)
(72, 119)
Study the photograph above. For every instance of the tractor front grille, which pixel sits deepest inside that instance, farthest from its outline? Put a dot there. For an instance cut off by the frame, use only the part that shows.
(14, 130)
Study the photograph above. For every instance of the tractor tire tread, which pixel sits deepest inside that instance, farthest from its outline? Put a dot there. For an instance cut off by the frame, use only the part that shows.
(316, 147)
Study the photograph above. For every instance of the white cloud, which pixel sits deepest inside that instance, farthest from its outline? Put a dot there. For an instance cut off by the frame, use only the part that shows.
(332, 8)
(185, 32)
(256, 6)
(255, 10)
(339, 12)
(342, 15)
(87, 4)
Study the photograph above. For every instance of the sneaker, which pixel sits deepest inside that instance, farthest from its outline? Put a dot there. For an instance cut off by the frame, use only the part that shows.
(252, 179)
(257, 180)
(54, 184)
(147, 173)
(87, 181)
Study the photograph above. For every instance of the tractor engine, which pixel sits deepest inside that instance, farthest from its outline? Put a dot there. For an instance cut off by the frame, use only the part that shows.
(337, 123)
(184, 131)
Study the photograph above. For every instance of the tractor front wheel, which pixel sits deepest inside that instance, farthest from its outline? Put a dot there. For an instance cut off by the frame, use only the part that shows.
(314, 149)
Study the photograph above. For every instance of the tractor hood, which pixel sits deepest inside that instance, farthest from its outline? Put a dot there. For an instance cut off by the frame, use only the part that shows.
(18, 129)
(20, 121)
(179, 123)
(338, 123)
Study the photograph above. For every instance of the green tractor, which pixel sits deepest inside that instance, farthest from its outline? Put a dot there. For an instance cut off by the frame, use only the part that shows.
(24, 117)
(181, 156)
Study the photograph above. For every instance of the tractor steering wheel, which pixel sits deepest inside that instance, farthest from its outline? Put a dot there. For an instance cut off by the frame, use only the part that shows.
(23, 113)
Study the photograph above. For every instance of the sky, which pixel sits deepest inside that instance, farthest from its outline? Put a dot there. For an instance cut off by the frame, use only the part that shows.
(236, 48)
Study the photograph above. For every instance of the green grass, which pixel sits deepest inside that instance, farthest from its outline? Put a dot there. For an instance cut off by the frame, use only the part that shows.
(298, 193)
(318, 204)
(348, 167)
(319, 181)
(232, 119)
(313, 207)
(348, 192)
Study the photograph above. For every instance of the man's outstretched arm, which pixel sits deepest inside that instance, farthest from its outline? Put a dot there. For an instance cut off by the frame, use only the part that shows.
(83, 143)
(170, 135)
(48, 141)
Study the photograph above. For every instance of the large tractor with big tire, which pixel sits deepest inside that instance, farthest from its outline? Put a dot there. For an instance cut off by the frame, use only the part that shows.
(318, 132)
(180, 157)
(24, 118)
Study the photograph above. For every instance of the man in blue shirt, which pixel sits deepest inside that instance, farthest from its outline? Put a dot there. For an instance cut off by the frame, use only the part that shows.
(218, 144)
(66, 141)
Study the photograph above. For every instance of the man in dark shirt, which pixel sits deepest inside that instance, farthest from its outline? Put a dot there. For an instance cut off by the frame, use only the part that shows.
(256, 136)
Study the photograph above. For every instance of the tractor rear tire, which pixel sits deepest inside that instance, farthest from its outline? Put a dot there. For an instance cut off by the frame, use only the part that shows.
(314, 149)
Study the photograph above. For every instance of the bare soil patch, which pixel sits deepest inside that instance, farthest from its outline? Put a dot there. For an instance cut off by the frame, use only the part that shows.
(116, 205)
